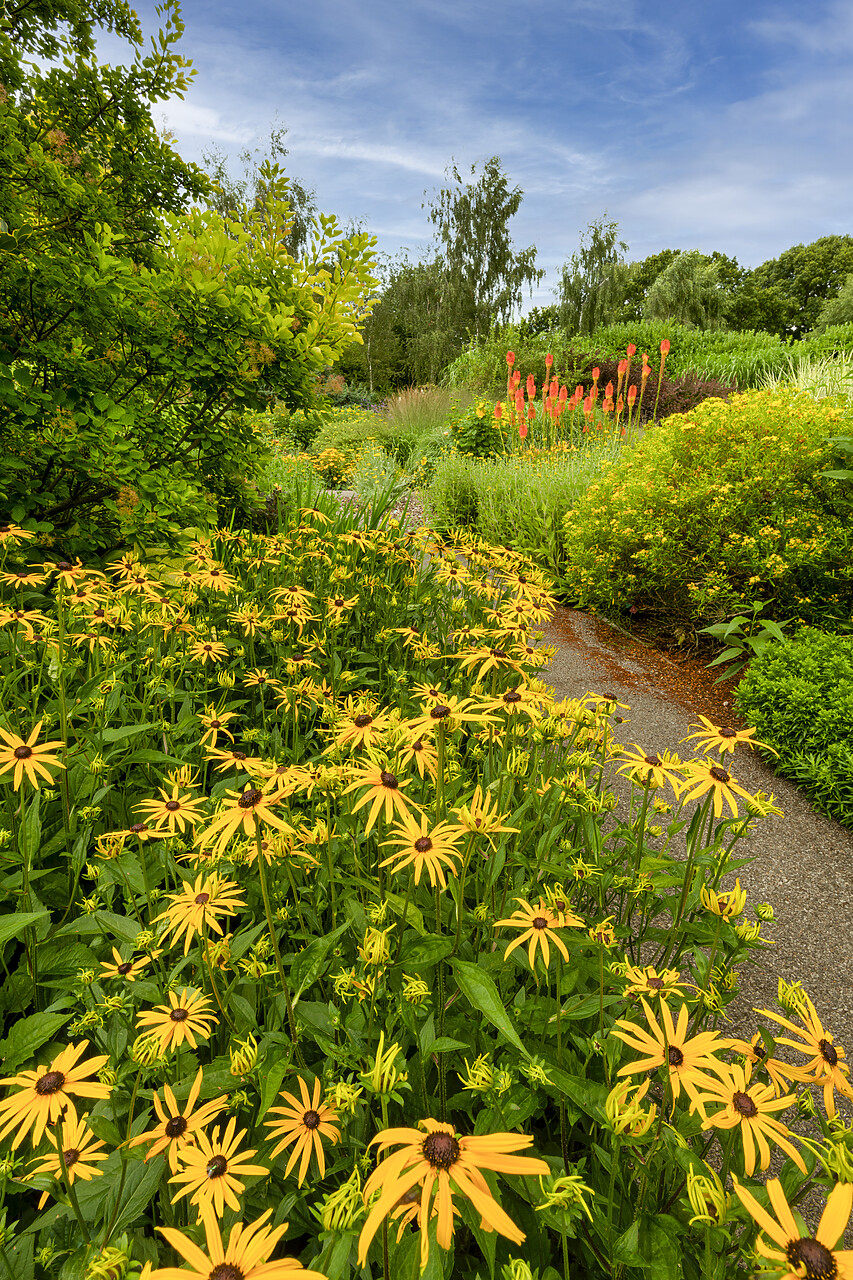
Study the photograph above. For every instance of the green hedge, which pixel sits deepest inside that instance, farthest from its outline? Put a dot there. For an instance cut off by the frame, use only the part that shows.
(799, 697)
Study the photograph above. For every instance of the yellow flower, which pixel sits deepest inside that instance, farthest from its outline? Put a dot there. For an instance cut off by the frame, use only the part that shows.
(127, 969)
(441, 1163)
(174, 811)
(540, 924)
(654, 768)
(749, 1107)
(424, 849)
(177, 1128)
(80, 1152)
(724, 739)
(701, 777)
(304, 1125)
(208, 651)
(384, 791)
(648, 982)
(480, 816)
(187, 1018)
(246, 809)
(44, 1094)
(728, 905)
(827, 1066)
(26, 757)
(802, 1257)
(198, 905)
(213, 1170)
(246, 1255)
(668, 1045)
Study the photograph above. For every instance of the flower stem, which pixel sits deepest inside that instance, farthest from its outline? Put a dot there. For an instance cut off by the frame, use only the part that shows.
(291, 1020)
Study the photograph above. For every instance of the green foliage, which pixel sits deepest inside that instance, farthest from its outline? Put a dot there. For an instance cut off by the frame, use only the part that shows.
(715, 511)
(689, 291)
(837, 310)
(592, 284)
(375, 472)
(739, 359)
(744, 638)
(476, 432)
(799, 697)
(807, 276)
(132, 330)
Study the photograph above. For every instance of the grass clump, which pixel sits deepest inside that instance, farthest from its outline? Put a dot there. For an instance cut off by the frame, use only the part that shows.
(716, 511)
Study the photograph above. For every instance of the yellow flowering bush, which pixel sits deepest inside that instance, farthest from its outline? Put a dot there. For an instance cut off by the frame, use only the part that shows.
(717, 510)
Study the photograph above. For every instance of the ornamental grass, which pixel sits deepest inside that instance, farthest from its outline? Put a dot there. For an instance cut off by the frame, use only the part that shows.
(328, 951)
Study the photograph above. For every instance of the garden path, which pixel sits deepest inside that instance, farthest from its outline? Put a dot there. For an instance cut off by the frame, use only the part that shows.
(802, 863)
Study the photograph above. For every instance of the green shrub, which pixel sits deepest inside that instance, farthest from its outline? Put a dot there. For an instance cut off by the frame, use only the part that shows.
(799, 697)
(730, 357)
(375, 471)
(835, 339)
(716, 511)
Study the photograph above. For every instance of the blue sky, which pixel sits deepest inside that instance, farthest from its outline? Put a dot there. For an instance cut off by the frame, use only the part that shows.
(694, 125)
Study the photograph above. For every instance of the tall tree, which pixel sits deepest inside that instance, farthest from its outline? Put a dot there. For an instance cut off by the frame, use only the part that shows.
(592, 287)
(806, 275)
(482, 274)
(689, 291)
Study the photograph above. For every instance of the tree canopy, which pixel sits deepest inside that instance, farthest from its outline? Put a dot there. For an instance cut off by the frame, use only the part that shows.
(593, 283)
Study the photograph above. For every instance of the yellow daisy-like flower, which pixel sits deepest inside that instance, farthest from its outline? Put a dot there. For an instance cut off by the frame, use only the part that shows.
(305, 1124)
(648, 982)
(728, 905)
(425, 849)
(452, 712)
(749, 1107)
(827, 1066)
(214, 723)
(686, 1060)
(217, 579)
(724, 739)
(444, 1162)
(488, 659)
(81, 1152)
(700, 777)
(45, 1093)
(246, 810)
(362, 729)
(800, 1256)
(480, 816)
(127, 969)
(246, 1255)
(208, 651)
(654, 767)
(177, 1129)
(174, 810)
(384, 791)
(213, 1170)
(423, 754)
(233, 759)
(539, 924)
(756, 1055)
(187, 1018)
(198, 905)
(26, 757)
(519, 700)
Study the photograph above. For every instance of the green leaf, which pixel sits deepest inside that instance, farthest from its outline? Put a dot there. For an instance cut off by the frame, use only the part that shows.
(28, 1035)
(426, 951)
(271, 1077)
(140, 1184)
(12, 926)
(126, 731)
(310, 963)
(481, 992)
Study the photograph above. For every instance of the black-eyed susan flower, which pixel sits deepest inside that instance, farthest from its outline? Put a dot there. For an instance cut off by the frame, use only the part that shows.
(233, 759)
(423, 754)
(173, 810)
(26, 757)
(45, 1093)
(451, 713)
(441, 1163)
(729, 905)
(360, 728)
(177, 1128)
(723, 739)
(700, 777)
(539, 925)
(81, 1152)
(337, 607)
(198, 905)
(213, 1169)
(686, 1059)
(425, 848)
(652, 767)
(648, 982)
(247, 811)
(214, 577)
(129, 970)
(800, 1256)
(519, 700)
(382, 790)
(487, 658)
(758, 1058)
(748, 1107)
(205, 651)
(215, 722)
(827, 1067)
(247, 1254)
(183, 1018)
(304, 1125)
(480, 816)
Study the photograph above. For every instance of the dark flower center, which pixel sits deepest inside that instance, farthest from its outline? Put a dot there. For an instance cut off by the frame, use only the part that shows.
(216, 1167)
(388, 780)
(827, 1052)
(50, 1083)
(311, 1119)
(23, 752)
(176, 1127)
(512, 696)
(743, 1104)
(125, 968)
(441, 1150)
(656, 984)
(138, 827)
(439, 712)
(338, 602)
(63, 566)
(727, 733)
(675, 1056)
(172, 805)
(423, 844)
(251, 799)
(71, 1156)
(99, 613)
(238, 755)
(179, 1015)
(208, 648)
(539, 922)
(362, 721)
(817, 1259)
(226, 1271)
(654, 760)
(202, 899)
(216, 724)
(497, 653)
(719, 775)
(759, 1051)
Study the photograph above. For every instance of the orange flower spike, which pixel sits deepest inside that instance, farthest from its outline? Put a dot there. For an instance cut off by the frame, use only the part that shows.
(632, 395)
(499, 409)
(664, 347)
(596, 373)
(531, 387)
(608, 391)
(510, 358)
(620, 405)
(549, 360)
(631, 349)
(516, 377)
